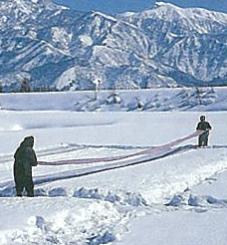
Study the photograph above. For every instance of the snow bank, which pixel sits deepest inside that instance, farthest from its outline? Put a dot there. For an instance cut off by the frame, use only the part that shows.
(181, 99)
(79, 222)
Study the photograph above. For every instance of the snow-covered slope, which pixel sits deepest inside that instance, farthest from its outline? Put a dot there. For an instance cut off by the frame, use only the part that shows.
(180, 20)
(191, 41)
(166, 46)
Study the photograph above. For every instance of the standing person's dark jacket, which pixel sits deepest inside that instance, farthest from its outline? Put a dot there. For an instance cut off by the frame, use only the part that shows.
(203, 125)
(25, 158)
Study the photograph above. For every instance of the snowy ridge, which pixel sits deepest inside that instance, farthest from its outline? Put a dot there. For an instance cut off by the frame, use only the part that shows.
(187, 16)
(166, 46)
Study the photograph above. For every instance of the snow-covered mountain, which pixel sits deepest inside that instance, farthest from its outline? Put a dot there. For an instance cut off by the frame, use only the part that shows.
(57, 47)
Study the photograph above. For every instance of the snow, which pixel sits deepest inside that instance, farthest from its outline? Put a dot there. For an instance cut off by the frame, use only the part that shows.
(179, 228)
(86, 40)
(115, 166)
(127, 14)
(178, 99)
(60, 35)
(162, 47)
(199, 218)
(79, 225)
(191, 14)
(113, 177)
(105, 16)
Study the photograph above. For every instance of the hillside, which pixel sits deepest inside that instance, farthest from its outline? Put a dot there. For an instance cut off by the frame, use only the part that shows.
(60, 48)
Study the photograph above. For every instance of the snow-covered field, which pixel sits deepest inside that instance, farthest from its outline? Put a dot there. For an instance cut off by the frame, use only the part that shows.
(126, 184)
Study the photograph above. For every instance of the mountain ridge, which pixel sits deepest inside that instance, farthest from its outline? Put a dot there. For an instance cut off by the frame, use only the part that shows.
(166, 46)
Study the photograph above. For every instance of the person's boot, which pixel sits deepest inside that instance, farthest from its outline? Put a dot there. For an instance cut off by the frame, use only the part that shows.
(19, 194)
(19, 191)
(30, 193)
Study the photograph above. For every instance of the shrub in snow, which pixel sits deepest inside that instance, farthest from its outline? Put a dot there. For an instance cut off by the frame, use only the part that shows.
(194, 200)
(175, 201)
(212, 200)
(196, 97)
(56, 192)
(204, 200)
(104, 238)
(134, 199)
(135, 104)
(197, 201)
(88, 193)
(111, 197)
(113, 99)
(40, 192)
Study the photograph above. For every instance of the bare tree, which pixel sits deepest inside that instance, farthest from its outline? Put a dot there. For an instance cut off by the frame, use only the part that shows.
(199, 92)
(1, 87)
(25, 86)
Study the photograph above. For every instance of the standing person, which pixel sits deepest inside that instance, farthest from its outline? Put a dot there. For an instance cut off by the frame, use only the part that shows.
(204, 126)
(25, 158)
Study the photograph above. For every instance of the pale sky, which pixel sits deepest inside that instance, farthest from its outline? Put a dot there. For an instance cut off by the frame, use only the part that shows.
(117, 6)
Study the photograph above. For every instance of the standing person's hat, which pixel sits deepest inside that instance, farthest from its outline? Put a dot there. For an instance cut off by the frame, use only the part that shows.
(202, 118)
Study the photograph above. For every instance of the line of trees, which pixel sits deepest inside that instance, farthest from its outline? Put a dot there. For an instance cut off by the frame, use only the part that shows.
(25, 87)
